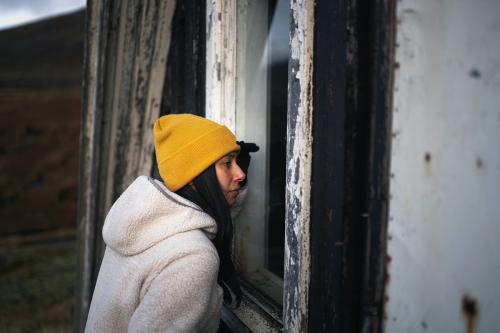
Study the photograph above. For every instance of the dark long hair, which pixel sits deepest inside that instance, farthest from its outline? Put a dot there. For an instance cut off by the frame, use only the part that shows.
(209, 197)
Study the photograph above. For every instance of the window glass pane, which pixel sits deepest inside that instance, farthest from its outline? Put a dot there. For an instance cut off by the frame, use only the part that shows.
(261, 106)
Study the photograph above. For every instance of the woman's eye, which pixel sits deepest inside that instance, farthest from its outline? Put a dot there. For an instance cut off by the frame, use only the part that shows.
(228, 163)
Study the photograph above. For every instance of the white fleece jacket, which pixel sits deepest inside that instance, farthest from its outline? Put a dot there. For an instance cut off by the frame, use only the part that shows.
(159, 271)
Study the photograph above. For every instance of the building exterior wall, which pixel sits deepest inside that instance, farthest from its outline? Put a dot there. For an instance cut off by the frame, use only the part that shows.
(126, 50)
(444, 220)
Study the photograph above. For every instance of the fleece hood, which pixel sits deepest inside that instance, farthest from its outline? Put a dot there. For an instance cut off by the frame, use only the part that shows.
(147, 213)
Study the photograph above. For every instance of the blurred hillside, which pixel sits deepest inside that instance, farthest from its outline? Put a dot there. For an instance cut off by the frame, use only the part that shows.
(43, 53)
(40, 101)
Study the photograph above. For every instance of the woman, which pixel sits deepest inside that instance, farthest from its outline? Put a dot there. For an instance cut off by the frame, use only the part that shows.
(167, 265)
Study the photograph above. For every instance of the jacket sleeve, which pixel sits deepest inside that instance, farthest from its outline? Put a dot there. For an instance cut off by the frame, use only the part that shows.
(183, 297)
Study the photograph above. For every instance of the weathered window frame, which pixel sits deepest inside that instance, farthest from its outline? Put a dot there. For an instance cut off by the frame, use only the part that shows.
(335, 245)
(221, 84)
(339, 106)
(352, 87)
(126, 49)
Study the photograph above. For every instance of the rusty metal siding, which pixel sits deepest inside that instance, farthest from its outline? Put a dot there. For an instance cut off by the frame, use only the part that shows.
(445, 183)
(125, 59)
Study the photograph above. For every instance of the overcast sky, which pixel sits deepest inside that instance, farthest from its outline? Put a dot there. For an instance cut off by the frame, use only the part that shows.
(17, 12)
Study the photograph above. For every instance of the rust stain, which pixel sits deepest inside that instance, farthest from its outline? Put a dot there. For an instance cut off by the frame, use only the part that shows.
(479, 163)
(387, 279)
(470, 312)
(475, 73)
(386, 301)
(427, 163)
(428, 157)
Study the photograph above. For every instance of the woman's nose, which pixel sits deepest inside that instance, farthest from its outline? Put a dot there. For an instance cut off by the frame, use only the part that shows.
(240, 175)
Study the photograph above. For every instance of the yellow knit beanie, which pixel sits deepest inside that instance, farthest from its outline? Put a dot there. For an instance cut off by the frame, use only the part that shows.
(186, 145)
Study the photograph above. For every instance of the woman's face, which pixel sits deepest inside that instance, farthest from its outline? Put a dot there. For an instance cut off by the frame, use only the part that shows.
(229, 176)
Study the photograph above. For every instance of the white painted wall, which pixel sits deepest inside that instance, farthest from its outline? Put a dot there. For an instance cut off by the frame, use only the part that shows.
(444, 225)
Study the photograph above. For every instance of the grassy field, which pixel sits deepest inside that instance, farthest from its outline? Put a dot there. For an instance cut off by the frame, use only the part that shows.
(40, 99)
(39, 131)
(37, 284)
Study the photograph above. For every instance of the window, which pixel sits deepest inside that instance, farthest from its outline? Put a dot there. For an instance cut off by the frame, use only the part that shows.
(246, 89)
(261, 106)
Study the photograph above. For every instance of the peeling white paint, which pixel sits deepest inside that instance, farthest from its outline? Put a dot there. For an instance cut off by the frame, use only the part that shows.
(299, 171)
(236, 96)
(138, 76)
(157, 73)
(124, 74)
(221, 62)
(444, 212)
(220, 106)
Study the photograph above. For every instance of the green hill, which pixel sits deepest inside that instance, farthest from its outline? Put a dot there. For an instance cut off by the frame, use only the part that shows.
(47, 52)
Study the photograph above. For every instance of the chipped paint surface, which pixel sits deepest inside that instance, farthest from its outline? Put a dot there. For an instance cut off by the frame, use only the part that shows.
(299, 138)
(221, 62)
(220, 106)
(227, 75)
(445, 186)
(125, 62)
(87, 195)
(140, 58)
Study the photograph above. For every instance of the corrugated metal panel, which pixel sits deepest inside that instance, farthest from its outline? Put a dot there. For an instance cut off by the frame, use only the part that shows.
(445, 184)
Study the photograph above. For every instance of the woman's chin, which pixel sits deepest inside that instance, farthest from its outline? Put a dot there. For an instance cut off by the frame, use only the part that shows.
(231, 199)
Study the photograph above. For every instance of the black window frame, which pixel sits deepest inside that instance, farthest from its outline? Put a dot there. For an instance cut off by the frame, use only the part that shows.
(350, 90)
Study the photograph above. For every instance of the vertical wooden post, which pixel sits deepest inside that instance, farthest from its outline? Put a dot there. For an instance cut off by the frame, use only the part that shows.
(298, 173)
(125, 59)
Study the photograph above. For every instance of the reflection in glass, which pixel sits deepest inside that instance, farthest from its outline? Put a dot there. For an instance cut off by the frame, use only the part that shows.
(261, 108)
(278, 79)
